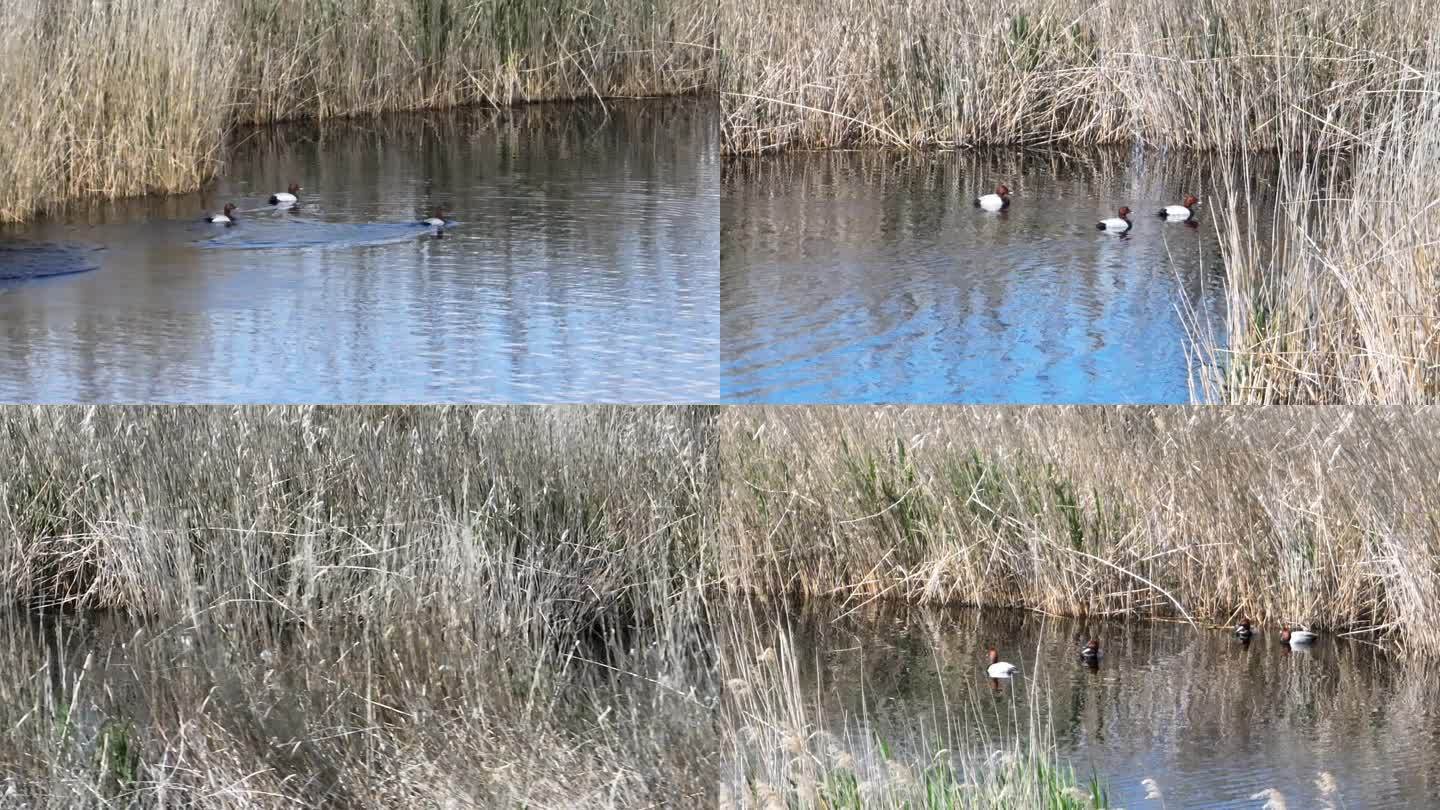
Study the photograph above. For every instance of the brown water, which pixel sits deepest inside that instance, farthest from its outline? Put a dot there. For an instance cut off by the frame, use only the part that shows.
(582, 267)
(1212, 720)
(871, 277)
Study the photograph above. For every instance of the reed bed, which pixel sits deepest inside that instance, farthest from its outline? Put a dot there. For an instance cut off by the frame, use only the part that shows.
(1227, 74)
(255, 607)
(1340, 302)
(1324, 517)
(129, 97)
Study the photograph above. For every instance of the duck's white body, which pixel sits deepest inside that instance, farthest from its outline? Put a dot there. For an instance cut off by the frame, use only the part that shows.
(283, 198)
(1001, 669)
(433, 222)
(992, 202)
(1114, 225)
(1176, 213)
(219, 219)
(1302, 638)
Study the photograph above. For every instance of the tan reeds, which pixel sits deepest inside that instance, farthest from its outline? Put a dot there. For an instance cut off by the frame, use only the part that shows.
(129, 97)
(368, 607)
(1342, 302)
(1225, 74)
(1323, 517)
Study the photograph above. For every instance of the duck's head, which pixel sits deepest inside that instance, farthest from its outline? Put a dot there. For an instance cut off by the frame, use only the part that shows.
(1124, 212)
(1093, 646)
(1243, 625)
(994, 656)
(1002, 190)
(229, 208)
(438, 212)
(1191, 201)
(294, 188)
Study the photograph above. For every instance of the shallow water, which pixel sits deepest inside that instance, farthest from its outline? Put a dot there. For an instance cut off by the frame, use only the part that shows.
(583, 267)
(1211, 720)
(871, 277)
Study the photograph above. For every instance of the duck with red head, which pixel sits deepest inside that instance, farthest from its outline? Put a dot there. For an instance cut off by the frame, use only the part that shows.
(227, 218)
(1090, 653)
(998, 668)
(998, 201)
(286, 198)
(437, 221)
(1119, 224)
(1184, 212)
(1243, 630)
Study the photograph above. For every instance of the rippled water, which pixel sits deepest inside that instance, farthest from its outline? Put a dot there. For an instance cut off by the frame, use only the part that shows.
(27, 261)
(871, 277)
(1211, 720)
(583, 267)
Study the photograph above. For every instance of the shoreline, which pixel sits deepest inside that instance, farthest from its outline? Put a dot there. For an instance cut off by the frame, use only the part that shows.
(241, 131)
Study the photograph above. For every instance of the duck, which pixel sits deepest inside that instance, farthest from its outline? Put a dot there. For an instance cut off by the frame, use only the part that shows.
(1182, 212)
(1090, 653)
(998, 668)
(226, 218)
(1119, 224)
(286, 197)
(998, 201)
(437, 221)
(1243, 630)
(1297, 637)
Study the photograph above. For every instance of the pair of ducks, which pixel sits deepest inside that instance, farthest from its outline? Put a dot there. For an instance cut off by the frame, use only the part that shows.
(1089, 655)
(282, 199)
(1183, 212)
(1295, 637)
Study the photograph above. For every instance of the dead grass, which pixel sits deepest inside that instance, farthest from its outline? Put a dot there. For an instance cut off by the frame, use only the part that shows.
(1226, 74)
(356, 607)
(1323, 517)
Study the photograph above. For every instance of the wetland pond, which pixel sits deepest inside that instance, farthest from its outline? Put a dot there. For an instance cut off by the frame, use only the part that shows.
(870, 276)
(1212, 720)
(583, 266)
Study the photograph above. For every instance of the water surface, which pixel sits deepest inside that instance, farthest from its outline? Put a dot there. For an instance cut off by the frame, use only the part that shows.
(871, 277)
(1211, 720)
(583, 267)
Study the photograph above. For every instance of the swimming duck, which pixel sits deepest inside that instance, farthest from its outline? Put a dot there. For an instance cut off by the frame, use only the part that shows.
(225, 218)
(285, 197)
(998, 201)
(1119, 224)
(998, 668)
(1090, 653)
(1244, 630)
(437, 222)
(1297, 637)
(1182, 212)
